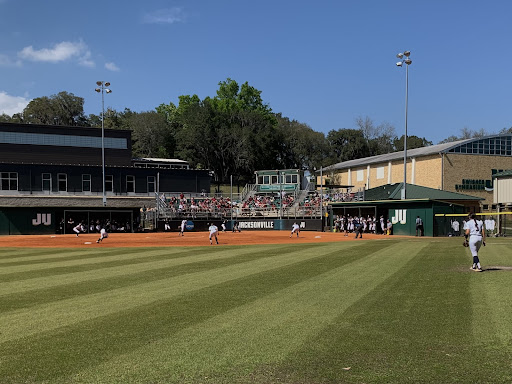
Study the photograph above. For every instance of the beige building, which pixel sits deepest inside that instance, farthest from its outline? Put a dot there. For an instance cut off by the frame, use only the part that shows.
(503, 189)
(464, 166)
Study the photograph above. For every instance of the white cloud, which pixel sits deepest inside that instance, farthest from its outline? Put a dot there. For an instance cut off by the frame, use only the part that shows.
(112, 67)
(6, 61)
(86, 61)
(12, 104)
(165, 16)
(59, 52)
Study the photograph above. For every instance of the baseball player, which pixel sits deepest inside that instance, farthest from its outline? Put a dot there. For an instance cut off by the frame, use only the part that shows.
(79, 228)
(103, 235)
(476, 232)
(214, 230)
(295, 229)
(182, 228)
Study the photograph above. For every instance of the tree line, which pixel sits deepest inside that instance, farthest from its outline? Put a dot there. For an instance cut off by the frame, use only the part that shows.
(233, 133)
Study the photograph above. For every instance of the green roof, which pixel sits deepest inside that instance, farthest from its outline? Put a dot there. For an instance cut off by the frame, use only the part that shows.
(505, 173)
(413, 192)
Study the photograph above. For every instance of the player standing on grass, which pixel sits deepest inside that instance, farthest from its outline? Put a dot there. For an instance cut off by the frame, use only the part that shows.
(214, 230)
(476, 232)
(295, 229)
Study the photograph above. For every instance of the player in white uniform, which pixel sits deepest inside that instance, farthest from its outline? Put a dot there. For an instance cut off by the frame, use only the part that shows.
(79, 228)
(295, 229)
(476, 232)
(103, 235)
(214, 230)
(182, 228)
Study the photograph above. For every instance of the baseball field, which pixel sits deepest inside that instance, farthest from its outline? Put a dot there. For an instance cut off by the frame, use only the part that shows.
(261, 307)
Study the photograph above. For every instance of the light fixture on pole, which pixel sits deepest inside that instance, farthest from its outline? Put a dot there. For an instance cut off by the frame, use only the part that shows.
(103, 89)
(408, 62)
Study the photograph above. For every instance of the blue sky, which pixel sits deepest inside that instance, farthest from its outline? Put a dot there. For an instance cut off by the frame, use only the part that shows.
(323, 63)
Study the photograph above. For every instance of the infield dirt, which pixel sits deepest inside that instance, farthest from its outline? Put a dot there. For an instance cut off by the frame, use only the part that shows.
(172, 239)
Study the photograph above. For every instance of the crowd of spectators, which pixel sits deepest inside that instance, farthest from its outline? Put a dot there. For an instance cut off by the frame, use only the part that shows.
(181, 205)
(268, 202)
(195, 206)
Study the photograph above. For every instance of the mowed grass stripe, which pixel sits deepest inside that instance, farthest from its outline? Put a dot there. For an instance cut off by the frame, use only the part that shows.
(50, 289)
(7, 254)
(154, 258)
(27, 321)
(415, 328)
(260, 333)
(63, 254)
(80, 264)
(491, 294)
(161, 313)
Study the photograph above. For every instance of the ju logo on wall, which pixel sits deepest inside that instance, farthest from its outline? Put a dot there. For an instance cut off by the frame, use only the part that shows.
(400, 216)
(42, 218)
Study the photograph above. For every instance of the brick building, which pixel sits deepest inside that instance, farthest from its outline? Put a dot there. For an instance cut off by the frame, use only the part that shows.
(465, 166)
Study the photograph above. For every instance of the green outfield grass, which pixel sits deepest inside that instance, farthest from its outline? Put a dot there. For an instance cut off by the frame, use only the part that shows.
(381, 311)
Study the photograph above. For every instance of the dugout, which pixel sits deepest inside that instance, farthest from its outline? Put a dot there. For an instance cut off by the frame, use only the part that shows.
(52, 220)
(423, 202)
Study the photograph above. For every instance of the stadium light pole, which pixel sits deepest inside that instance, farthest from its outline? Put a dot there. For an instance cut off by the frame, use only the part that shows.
(103, 89)
(280, 175)
(408, 62)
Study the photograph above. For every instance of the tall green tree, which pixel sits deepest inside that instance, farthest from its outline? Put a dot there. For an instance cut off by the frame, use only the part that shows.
(347, 144)
(412, 142)
(61, 109)
(301, 147)
(233, 133)
(5, 118)
(150, 134)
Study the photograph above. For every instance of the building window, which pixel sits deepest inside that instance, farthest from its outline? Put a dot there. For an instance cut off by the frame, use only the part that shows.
(109, 183)
(151, 184)
(47, 181)
(380, 172)
(130, 183)
(86, 183)
(62, 140)
(9, 181)
(501, 146)
(62, 181)
(360, 175)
